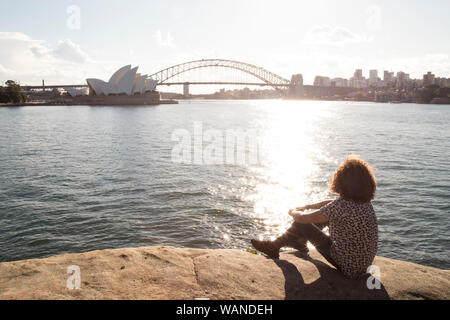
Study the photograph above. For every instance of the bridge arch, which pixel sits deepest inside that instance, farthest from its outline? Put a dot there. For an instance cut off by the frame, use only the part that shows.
(269, 78)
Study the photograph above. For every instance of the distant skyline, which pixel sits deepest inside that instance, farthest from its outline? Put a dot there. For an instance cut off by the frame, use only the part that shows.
(69, 41)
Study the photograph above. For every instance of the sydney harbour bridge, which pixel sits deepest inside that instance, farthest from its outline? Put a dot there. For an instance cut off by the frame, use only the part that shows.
(199, 72)
(262, 76)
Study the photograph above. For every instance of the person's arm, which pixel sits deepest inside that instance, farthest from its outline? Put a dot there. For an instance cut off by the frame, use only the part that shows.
(315, 217)
(315, 206)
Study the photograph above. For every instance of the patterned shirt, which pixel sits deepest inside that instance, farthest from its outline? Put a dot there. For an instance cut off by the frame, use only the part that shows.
(354, 235)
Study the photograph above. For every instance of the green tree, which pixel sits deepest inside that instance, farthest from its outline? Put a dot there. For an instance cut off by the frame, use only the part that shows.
(426, 94)
(443, 92)
(4, 98)
(13, 91)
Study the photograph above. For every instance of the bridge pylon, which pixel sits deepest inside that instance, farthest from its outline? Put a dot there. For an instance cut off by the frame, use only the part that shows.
(186, 89)
(296, 89)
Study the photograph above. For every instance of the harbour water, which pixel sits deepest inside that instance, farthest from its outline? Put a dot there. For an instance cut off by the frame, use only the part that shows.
(80, 178)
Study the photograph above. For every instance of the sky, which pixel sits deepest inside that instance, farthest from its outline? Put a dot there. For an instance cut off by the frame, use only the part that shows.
(69, 41)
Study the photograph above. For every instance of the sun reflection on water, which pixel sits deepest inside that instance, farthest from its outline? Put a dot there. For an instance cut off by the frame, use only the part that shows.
(288, 157)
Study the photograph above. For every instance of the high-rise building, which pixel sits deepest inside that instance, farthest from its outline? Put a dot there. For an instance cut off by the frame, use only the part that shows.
(373, 74)
(358, 81)
(428, 79)
(373, 77)
(358, 74)
(402, 79)
(388, 77)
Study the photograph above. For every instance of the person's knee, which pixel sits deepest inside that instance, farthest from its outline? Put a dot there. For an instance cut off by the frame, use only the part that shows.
(296, 229)
(304, 229)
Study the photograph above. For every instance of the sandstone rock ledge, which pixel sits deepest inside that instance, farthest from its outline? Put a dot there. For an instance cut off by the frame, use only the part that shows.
(171, 273)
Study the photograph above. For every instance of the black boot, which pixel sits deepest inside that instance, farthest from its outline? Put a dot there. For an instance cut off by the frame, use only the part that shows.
(270, 248)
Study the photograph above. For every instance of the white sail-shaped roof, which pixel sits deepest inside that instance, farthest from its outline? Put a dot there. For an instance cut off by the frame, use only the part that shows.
(123, 81)
(136, 79)
(117, 76)
(139, 84)
(125, 84)
(97, 85)
(150, 85)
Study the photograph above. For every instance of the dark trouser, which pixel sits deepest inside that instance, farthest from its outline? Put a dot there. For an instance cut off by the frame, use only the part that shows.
(301, 233)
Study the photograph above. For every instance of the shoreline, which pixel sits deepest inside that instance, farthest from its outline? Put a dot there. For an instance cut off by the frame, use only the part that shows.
(41, 104)
(168, 273)
(177, 101)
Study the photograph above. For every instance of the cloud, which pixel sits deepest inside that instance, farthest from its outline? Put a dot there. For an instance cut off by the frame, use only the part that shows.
(5, 70)
(31, 60)
(69, 51)
(18, 36)
(19, 43)
(66, 50)
(168, 41)
(332, 35)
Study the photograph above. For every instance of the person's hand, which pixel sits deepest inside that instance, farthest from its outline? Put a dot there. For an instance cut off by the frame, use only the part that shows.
(302, 208)
(297, 216)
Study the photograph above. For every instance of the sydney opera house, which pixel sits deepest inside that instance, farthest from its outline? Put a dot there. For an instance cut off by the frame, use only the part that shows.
(125, 87)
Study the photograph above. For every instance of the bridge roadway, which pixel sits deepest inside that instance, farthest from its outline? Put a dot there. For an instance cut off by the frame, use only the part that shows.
(223, 83)
(60, 86)
(261, 84)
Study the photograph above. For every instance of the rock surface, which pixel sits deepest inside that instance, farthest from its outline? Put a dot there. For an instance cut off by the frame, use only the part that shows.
(171, 273)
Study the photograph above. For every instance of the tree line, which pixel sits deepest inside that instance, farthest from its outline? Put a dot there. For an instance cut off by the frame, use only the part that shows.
(427, 94)
(11, 93)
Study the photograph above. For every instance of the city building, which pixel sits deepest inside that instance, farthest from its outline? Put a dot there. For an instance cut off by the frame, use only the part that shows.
(373, 77)
(428, 79)
(321, 81)
(388, 77)
(358, 74)
(441, 82)
(402, 79)
(339, 83)
(358, 81)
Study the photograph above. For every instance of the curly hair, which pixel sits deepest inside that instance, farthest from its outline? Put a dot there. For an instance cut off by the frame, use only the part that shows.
(354, 180)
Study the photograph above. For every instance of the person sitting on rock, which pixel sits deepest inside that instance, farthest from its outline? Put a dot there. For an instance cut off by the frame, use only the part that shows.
(352, 243)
